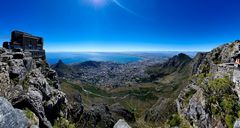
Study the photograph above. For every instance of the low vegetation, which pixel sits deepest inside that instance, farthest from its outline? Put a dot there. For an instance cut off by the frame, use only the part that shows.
(174, 120)
(31, 116)
(220, 84)
(222, 100)
(63, 123)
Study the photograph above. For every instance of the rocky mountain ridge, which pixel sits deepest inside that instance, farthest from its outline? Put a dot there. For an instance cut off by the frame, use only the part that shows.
(211, 99)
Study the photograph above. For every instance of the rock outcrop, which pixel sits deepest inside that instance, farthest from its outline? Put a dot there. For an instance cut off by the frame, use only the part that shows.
(98, 114)
(121, 124)
(30, 84)
(211, 99)
(10, 117)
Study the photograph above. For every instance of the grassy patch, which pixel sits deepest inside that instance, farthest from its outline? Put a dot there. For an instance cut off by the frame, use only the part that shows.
(220, 84)
(229, 119)
(175, 120)
(31, 116)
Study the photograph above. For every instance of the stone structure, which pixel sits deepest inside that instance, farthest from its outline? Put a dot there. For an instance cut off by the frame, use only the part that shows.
(26, 42)
(237, 59)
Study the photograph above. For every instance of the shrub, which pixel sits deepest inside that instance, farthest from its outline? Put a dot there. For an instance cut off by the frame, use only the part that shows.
(25, 82)
(220, 84)
(31, 116)
(214, 110)
(229, 119)
(63, 123)
(200, 78)
(175, 120)
(205, 68)
(188, 96)
(227, 104)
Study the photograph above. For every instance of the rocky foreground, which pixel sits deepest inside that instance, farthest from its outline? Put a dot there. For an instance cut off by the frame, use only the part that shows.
(30, 96)
(30, 85)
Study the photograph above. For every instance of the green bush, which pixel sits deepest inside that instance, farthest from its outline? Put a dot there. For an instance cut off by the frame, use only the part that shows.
(220, 84)
(205, 68)
(229, 119)
(238, 113)
(25, 82)
(175, 120)
(200, 78)
(63, 123)
(227, 105)
(214, 110)
(31, 116)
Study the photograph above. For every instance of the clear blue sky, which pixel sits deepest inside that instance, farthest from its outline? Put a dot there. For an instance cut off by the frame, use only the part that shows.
(124, 25)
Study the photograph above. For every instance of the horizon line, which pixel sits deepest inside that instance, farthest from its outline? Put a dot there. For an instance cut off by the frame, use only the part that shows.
(125, 51)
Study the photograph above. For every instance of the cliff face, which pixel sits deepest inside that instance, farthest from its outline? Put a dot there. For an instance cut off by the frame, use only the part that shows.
(30, 85)
(211, 99)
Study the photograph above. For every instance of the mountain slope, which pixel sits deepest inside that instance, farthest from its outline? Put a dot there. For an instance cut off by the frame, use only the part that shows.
(174, 74)
(174, 64)
(211, 99)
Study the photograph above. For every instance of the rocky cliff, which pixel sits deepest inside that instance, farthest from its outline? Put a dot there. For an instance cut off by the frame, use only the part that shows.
(32, 89)
(30, 96)
(211, 99)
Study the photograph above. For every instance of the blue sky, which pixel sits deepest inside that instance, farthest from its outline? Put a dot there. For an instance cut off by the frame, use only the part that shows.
(124, 25)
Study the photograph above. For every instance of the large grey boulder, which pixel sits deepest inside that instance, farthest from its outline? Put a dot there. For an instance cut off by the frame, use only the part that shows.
(121, 124)
(17, 69)
(97, 114)
(33, 101)
(237, 124)
(10, 117)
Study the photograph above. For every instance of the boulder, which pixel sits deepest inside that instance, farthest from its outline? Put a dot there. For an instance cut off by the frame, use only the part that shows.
(38, 80)
(237, 124)
(2, 50)
(121, 124)
(97, 114)
(122, 112)
(33, 101)
(5, 58)
(17, 69)
(56, 106)
(28, 63)
(10, 117)
(76, 108)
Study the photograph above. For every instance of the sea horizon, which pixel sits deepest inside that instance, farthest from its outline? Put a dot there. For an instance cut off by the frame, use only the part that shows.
(117, 57)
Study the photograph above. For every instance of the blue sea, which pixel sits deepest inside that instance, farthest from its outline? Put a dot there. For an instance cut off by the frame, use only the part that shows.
(71, 58)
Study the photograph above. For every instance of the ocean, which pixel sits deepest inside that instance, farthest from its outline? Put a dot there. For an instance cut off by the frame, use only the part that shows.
(71, 58)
